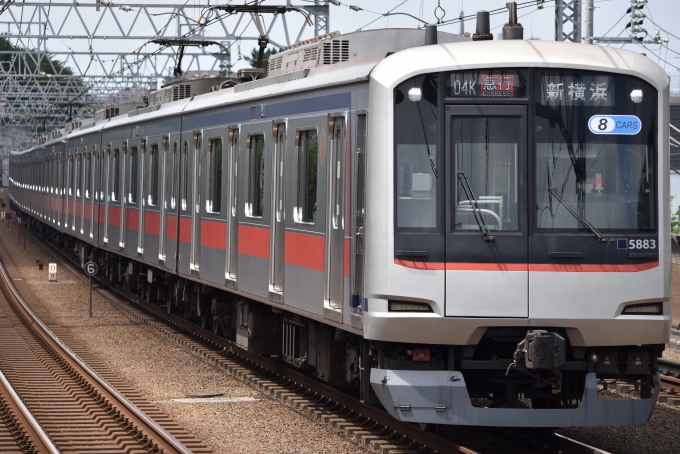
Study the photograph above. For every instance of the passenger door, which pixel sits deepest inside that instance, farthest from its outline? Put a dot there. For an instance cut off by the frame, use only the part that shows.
(232, 220)
(170, 221)
(486, 192)
(335, 223)
(278, 233)
(184, 205)
(195, 165)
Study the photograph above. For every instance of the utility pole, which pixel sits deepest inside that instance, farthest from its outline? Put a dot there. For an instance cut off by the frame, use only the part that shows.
(636, 34)
(462, 23)
(588, 22)
(568, 12)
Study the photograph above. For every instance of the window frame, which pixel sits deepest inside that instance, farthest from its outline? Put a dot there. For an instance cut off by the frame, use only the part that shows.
(251, 182)
(301, 145)
(214, 174)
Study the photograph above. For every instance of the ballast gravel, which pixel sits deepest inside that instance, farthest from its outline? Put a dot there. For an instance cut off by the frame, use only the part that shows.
(161, 370)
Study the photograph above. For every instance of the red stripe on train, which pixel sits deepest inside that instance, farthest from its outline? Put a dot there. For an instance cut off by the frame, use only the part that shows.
(214, 234)
(132, 219)
(185, 230)
(152, 222)
(253, 241)
(346, 258)
(304, 250)
(172, 227)
(555, 268)
(114, 216)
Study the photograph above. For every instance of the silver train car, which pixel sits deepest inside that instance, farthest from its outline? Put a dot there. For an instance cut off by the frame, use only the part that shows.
(467, 232)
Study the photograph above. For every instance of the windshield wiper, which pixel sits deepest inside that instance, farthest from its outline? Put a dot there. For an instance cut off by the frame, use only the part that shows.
(427, 144)
(475, 207)
(601, 238)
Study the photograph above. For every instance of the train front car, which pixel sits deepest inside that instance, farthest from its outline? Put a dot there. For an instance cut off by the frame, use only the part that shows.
(517, 233)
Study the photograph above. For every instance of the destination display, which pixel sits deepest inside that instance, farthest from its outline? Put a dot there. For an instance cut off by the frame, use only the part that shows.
(560, 88)
(487, 84)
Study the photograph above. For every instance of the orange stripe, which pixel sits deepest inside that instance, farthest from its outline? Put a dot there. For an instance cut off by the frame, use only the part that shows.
(631, 268)
(586, 268)
(253, 241)
(214, 234)
(429, 266)
(114, 216)
(87, 210)
(152, 222)
(185, 230)
(305, 250)
(172, 227)
(346, 258)
(132, 219)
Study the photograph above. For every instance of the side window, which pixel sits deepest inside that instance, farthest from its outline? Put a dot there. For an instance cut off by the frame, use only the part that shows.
(153, 176)
(214, 202)
(132, 194)
(185, 174)
(86, 172)
(79, 174)
(170, 178)
(115, 180)
(339, 193)
(307, 168)
(255, 199)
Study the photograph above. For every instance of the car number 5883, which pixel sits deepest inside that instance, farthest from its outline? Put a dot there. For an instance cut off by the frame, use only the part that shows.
(641, 244)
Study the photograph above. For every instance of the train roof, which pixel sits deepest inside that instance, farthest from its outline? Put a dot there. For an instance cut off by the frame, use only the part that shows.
(373, 58)
(516, 53)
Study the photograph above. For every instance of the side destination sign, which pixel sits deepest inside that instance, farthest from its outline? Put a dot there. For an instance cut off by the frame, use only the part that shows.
(615, 124)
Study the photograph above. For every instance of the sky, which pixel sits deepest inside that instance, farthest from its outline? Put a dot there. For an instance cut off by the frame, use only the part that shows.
(610, 19)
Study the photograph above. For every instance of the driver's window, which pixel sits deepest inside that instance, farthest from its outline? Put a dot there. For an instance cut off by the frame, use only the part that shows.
(485, 150)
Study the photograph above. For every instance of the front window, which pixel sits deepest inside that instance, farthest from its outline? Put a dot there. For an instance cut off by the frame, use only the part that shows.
(486, 162)
(595, 137)
(415, 129)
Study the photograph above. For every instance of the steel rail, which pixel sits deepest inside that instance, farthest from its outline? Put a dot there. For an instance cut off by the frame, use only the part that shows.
(153, 430)
(434, 442)
(36, 433)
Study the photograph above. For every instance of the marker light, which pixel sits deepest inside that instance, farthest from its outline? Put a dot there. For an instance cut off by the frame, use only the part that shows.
(408, 306)
(415, 94)
(636, 96)
(643, 309)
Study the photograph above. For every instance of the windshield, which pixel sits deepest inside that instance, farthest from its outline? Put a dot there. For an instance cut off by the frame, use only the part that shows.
(416, 154)
(595, 146)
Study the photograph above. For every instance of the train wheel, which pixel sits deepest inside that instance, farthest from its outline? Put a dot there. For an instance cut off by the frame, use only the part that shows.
(216, 323)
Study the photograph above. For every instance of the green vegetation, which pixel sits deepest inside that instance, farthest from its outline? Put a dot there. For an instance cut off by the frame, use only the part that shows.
(47, 65)
(267, 53)
(675, 220)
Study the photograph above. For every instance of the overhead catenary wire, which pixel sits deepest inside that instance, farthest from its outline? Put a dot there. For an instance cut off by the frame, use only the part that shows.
(161, 48)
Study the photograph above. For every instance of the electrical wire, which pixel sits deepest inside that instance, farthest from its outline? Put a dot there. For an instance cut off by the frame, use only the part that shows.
(193, 31)
(381, 15)
(661, 59)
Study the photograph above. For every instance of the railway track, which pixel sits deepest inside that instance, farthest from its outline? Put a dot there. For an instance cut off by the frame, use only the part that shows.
(79, 409)
(20, 433)
(363, 422)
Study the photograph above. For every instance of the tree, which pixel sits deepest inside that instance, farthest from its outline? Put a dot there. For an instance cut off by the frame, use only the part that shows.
(48, 65)
(267, 53)
(675, 220)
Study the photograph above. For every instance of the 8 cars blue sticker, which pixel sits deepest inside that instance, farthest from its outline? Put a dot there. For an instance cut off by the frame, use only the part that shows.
(615, 124)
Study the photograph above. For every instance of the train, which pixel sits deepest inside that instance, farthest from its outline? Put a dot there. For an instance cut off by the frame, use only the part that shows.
(462, 230)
